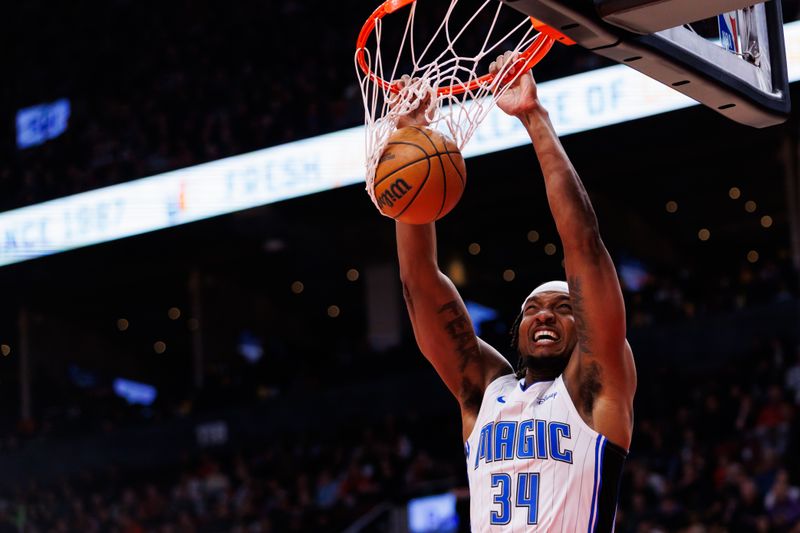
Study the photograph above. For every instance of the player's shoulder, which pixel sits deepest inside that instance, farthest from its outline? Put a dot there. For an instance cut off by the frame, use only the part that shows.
(503, 381)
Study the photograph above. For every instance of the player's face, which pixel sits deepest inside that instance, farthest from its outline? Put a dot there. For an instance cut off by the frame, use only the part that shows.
(548, 326)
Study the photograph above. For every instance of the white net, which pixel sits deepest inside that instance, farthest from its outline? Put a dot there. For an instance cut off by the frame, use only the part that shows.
(443, 65)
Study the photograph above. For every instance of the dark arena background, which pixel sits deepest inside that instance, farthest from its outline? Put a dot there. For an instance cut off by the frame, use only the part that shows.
(255, 371)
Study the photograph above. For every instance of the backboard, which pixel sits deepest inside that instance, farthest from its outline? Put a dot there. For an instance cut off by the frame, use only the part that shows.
(738, 70)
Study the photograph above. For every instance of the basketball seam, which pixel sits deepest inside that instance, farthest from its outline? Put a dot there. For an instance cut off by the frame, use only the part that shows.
(422, 185)
(441, 165)
(398, 169)
(463, 181)
(387, 176)
(422, 131)
(444, 187)
(390, 143)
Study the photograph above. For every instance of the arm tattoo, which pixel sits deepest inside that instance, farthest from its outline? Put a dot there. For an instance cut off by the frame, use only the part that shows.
(590, 379)
(460, 330)
(576, 297)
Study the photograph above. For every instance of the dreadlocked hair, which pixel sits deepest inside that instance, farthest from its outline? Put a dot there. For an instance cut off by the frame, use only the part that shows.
(515, 346)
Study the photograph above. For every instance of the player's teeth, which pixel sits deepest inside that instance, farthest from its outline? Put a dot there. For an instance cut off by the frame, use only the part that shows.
(546, 333)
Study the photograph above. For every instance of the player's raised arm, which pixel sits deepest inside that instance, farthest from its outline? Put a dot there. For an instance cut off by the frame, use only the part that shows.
(441, 324)
(601, 374)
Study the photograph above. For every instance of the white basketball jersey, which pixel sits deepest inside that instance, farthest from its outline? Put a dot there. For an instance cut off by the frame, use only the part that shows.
(534, 464)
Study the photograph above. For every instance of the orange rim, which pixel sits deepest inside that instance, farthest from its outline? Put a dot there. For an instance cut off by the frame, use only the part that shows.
(539, 48)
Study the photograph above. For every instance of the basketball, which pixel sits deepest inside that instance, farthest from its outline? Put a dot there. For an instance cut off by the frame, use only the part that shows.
(420, 176)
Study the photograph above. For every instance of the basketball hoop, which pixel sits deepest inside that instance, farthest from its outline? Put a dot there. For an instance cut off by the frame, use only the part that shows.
(450, 73)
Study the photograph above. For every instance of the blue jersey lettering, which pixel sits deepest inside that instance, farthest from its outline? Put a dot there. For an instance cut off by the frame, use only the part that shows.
(528, 439)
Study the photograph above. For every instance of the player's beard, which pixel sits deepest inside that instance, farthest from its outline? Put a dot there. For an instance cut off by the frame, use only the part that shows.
(545, 368)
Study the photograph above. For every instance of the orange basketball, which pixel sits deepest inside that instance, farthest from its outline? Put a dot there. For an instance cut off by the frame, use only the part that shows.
(420, 176)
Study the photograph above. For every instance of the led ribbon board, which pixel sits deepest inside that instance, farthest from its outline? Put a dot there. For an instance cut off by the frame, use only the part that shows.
(576, 103)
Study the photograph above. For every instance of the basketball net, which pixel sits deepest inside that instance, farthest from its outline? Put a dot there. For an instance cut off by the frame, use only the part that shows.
(437, 74)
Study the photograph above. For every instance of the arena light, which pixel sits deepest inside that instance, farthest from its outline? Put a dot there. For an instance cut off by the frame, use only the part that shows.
(576, 103)
(134, 392)
(433, 514)
(40, 123)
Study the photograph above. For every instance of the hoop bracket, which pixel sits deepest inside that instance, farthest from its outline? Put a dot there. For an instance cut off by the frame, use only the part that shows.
(552, 32)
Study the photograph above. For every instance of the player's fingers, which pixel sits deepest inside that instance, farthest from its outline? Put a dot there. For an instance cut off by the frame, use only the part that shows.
(424, 102)
(513, 58)
(506, 59)
(501, 61)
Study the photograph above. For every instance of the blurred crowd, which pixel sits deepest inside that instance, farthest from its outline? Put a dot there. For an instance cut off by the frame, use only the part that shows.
(308, 482)
(666, 298)
(717, 450)
(713, 451)
(65, 407)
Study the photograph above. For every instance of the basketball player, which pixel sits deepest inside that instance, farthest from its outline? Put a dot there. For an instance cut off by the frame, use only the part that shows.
(544, 446)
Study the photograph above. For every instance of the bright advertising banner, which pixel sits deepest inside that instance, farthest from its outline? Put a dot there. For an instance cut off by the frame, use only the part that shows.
(182, 196)
(576, 103)
(580, 103)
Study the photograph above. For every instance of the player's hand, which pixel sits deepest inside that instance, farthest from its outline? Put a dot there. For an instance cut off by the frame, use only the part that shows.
(418, 113)
(521, 97)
